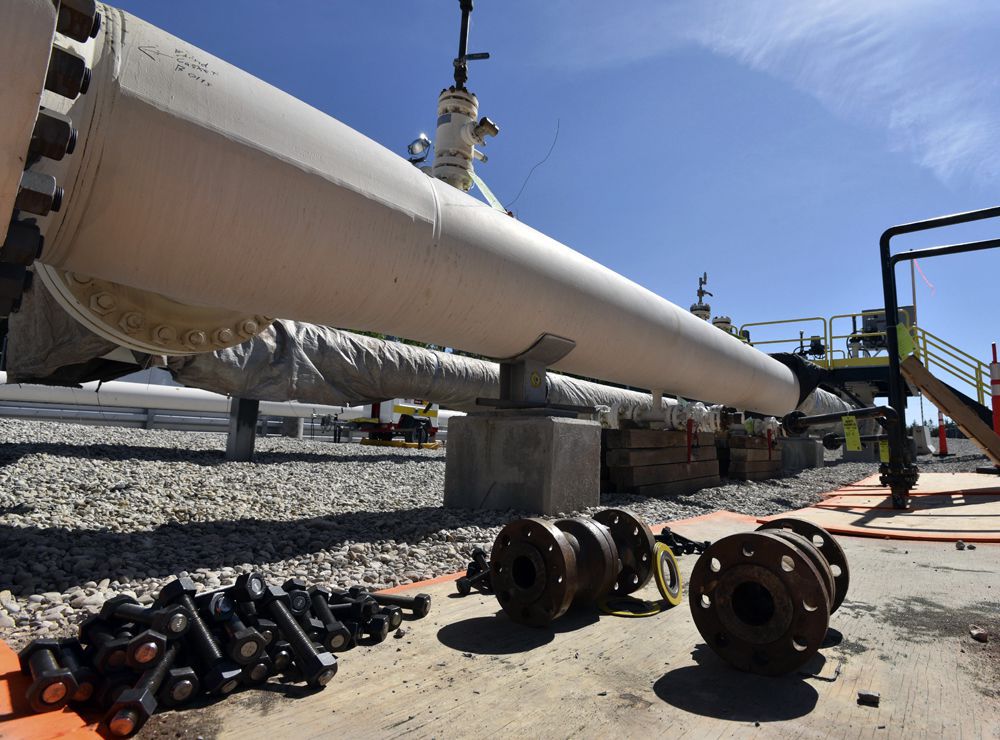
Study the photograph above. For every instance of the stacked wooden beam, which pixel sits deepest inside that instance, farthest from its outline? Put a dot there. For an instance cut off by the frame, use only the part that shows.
(753, 458)
(654, 462)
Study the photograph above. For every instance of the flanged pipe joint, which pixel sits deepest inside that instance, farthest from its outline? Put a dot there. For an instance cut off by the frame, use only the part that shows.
(762, 600)
(538, 569)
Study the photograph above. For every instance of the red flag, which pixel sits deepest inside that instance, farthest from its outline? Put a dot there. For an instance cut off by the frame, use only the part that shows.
(924, 278)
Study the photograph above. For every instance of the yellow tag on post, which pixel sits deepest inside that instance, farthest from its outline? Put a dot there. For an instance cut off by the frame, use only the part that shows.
(904, 341)
(852, 436)
(883, 450)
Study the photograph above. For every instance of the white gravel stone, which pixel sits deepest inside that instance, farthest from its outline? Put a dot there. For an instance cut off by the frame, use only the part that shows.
(90, 512)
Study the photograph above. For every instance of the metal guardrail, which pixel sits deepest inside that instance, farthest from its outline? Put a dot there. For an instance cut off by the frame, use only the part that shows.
(930, 349)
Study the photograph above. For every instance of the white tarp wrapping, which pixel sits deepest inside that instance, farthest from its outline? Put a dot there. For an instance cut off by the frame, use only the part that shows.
(288, 361)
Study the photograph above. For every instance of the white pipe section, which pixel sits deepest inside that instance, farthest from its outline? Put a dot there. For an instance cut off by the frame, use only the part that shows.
(195, 180)
(119, 394)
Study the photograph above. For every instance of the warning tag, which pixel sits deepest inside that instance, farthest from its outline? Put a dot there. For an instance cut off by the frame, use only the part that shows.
(852, 437)
(883, 450)
(904, 341)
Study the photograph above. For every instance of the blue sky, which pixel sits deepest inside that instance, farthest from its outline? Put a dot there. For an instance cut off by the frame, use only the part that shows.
(767, 142)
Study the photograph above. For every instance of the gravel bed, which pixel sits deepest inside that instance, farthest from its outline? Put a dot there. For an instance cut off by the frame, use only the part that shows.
(89, 512)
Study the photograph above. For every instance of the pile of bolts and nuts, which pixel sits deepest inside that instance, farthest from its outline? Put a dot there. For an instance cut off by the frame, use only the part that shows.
(131, 659)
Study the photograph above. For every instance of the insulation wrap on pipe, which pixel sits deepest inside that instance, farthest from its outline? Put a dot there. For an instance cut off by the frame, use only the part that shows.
(197, 181)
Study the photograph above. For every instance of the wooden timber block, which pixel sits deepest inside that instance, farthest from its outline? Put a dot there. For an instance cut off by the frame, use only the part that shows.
(676, 488)
(751, 443)
(650, 474)
(630, 438)
(754, 466)
(754, 454)
(623, 458)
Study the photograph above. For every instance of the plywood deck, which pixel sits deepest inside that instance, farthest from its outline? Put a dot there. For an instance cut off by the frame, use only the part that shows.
(466, 671)
(943, 506)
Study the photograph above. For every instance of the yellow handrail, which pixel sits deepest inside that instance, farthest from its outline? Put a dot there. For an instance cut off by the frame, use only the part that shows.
(929, 348)
(796, 340)
(936, 351)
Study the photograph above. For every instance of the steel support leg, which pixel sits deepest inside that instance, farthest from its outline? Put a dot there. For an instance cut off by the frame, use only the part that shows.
(242, 429)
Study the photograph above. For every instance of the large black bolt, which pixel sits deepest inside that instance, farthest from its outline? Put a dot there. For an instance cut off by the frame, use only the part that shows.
(466, 583)
(392, 613)
(52, 685)
(243, 644)
(173, 620)
(295, 584)
(38, 193)
(220, 675)
(419, 605)
(179, 686)
(481, 558)
(249, 587)
(54, 136)
(14, 280)
(71, 656)
(317, 668)
(109, 650)
(23, 244)
(281, 656)
(112, 686)
(267, 629)
(135, 706)
(78, 19)
(144, 649)
(377, 628)
(299, 602)
(258, 671)
(68, 74)
(359, 607)
(334, 636)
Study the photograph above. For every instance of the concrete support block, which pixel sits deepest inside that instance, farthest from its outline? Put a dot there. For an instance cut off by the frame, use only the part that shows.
(799, 453)
(293, 426)
(541, 464)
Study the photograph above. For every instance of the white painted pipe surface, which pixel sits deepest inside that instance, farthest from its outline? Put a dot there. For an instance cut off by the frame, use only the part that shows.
(198, 181)
(121, 394)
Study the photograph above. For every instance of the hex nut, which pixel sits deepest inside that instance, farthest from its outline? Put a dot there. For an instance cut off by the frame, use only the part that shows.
(145, 649)
(103, 303)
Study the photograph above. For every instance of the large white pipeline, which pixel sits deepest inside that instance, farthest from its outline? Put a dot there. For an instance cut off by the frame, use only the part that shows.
(195, 180)
(122, 394)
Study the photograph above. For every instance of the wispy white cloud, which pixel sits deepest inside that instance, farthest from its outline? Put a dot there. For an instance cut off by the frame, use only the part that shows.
(926, 71)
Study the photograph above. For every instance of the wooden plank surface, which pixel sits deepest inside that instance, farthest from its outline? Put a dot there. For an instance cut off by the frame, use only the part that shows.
(736, 453)
(942, 397)
(943, 506)
(755, 466)
(675, 488)
(658, 455)
(468, 672)
(649, 474)
(737, 441)
(632, 438)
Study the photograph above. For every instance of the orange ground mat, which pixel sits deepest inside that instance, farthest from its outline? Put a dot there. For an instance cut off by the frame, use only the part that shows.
(17, 721)
(945, 507)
